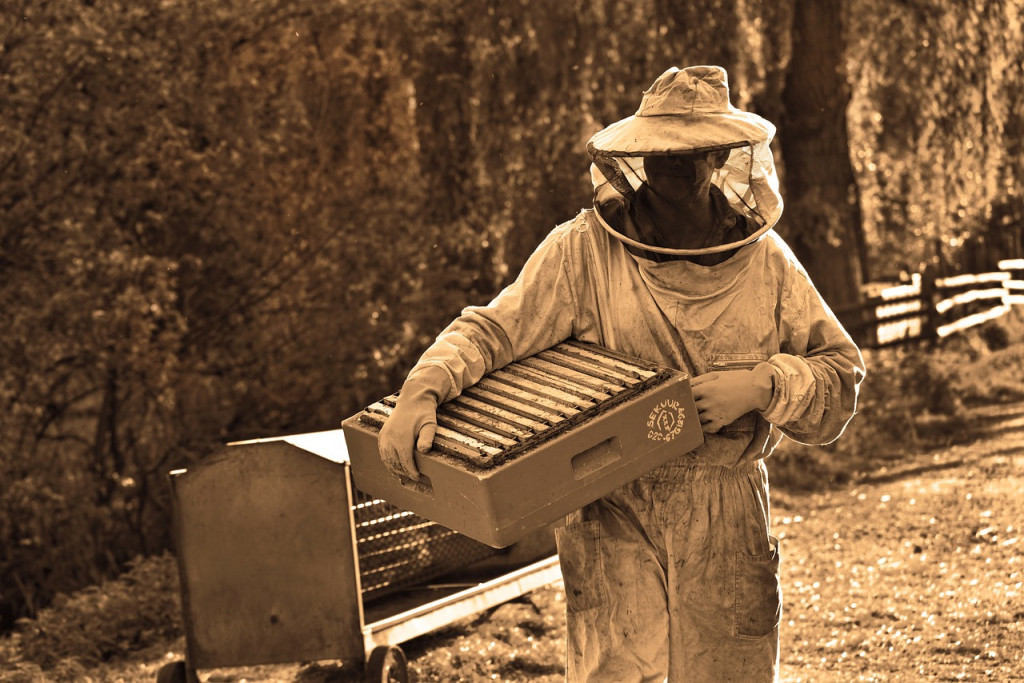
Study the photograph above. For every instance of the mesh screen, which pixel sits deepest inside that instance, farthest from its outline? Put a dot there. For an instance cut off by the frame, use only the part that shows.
(398, 549)
(747, 179)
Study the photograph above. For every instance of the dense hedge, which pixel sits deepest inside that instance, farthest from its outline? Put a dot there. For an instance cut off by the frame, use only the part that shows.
(231, 219)
(937, 130)
(247, 217)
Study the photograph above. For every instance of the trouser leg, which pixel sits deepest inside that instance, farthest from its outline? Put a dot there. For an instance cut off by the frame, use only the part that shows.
(724, 596)
(616, 600)
(674, 575)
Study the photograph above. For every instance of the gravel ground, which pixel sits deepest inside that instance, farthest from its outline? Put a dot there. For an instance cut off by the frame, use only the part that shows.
(913, 574)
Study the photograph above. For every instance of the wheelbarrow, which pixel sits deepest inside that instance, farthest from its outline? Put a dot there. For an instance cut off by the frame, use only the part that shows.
(282, 560)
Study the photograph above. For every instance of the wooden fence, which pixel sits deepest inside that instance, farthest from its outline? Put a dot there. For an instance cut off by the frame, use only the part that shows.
(930, 307)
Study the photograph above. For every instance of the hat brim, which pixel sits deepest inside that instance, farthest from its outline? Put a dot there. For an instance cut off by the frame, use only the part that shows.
(676, 134)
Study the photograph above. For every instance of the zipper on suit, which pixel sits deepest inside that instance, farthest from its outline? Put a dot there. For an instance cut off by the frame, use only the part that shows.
(746, 364)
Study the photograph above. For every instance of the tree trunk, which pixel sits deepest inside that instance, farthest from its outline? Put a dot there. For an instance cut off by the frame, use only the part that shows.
(822, 220)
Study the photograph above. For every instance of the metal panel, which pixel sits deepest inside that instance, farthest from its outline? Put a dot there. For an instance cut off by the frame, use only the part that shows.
(398, 549)
(433, 615)
(266, 553)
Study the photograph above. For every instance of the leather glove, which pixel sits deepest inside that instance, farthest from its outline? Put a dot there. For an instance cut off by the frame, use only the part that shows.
(723, 397)
(413, 421)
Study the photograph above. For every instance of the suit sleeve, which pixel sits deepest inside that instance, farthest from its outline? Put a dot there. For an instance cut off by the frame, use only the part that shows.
(533, 313)
(819, 369)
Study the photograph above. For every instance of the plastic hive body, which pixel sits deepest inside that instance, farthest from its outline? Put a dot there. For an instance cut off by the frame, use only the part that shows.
(535, 440)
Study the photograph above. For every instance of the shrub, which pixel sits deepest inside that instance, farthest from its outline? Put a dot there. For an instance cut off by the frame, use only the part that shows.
(138, 609)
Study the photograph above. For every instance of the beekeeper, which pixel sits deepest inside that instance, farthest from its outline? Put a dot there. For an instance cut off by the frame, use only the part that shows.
(676, 574)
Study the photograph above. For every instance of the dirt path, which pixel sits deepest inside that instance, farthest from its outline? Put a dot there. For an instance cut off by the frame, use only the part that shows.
(915, 574)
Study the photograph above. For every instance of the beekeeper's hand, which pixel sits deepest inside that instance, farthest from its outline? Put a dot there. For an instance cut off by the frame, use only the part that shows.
(723, 397)
(413, 422)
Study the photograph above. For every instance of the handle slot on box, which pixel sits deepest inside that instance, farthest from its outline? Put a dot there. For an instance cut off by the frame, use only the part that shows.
(421, 485)
(595, 458)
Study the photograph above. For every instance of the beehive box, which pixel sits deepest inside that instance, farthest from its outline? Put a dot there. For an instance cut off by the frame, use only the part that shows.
(535, 440)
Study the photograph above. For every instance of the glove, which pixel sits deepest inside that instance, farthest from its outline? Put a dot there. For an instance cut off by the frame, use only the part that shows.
(723, 397)
(413, 421)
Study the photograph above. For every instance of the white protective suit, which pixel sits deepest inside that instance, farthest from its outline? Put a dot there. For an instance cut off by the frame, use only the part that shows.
(674, 575)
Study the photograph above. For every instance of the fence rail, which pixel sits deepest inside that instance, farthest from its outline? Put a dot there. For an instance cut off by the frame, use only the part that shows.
(929, 308)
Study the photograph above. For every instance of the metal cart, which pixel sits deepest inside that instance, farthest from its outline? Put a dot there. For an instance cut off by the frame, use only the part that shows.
(282, 560)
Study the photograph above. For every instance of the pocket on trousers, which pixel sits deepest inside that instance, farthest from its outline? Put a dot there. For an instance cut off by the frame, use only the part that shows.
(758, 605)
(579, 555)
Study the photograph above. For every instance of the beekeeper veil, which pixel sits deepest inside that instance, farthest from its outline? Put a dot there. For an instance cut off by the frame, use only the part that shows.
(685, 113)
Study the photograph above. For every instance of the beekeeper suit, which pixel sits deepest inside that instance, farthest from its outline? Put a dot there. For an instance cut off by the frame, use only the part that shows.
(674, 575)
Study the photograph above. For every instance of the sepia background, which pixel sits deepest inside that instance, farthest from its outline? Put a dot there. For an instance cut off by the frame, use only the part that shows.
(245, 218)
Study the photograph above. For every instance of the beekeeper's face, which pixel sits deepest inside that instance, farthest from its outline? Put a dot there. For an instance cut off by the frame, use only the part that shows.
(678, 175)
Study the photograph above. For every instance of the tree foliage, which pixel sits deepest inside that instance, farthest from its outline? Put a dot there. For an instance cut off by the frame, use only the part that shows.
(197, 201)
(226, 220)
(936, 126)
(243, 218)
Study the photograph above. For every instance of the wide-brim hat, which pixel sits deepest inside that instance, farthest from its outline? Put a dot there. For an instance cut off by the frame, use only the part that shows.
(688, 111)
(684, 110)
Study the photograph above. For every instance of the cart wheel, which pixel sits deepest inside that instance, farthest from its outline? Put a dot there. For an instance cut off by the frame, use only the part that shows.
(387, 663)
(176, 672)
